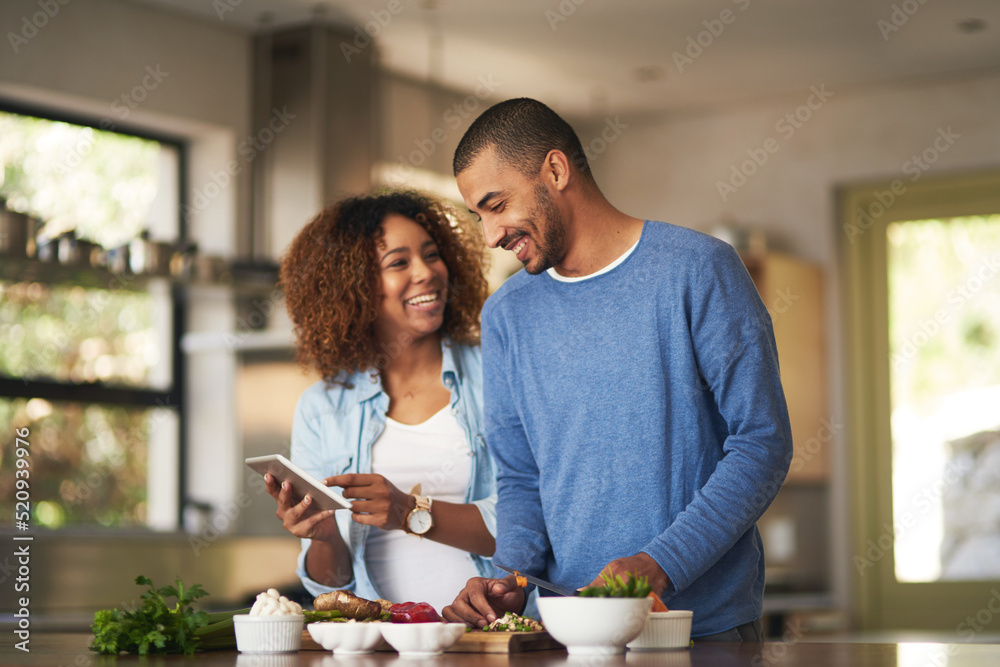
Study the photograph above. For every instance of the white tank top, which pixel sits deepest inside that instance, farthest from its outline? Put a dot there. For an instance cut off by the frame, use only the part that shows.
(408, 568)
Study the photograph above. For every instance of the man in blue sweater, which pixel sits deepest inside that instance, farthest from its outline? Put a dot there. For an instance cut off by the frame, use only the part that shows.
(632, 395)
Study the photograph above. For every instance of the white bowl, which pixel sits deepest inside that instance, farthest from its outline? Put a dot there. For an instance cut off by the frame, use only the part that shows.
(422, 639)
(664, 630)
(268, 634)
(346, 637)
(594, 626)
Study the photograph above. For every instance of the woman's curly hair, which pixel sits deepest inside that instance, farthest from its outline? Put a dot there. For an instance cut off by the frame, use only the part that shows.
(330, 274)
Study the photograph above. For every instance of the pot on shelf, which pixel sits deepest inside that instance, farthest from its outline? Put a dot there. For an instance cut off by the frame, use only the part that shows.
(14, 232)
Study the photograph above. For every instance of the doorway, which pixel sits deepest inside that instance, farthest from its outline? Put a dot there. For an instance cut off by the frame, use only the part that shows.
(922, 306)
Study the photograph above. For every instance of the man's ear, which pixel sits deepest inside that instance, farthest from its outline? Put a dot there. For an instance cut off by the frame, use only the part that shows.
(556, 170)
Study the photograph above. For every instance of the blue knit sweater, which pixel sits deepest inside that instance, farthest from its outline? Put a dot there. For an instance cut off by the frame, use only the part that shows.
(637, 411)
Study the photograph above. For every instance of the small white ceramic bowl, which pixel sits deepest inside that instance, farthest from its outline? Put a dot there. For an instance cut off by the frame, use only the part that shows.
(268, 634)
(664, 630)
(594, 626)
(422, 639)
(347, 637)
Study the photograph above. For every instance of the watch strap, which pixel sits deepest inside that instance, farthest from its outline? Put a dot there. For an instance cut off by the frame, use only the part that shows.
(422, 503)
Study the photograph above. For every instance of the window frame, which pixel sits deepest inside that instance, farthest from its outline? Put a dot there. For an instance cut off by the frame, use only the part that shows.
(109, 394)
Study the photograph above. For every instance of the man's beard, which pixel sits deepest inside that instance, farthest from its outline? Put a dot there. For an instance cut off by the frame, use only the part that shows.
(551, 247)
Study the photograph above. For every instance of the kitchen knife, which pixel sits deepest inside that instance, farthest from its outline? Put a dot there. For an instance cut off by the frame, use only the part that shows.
(541, 583)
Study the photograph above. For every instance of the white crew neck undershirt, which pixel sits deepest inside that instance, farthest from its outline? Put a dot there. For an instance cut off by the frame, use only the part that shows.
(436, 454)
(575, 279)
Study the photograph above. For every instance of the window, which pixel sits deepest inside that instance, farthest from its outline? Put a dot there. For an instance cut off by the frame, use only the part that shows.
(89, 359)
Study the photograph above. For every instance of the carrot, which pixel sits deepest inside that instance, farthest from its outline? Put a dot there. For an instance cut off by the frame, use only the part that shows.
(521, 581)
(657, 602)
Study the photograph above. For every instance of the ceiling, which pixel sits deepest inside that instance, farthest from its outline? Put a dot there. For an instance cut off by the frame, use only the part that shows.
(590, 57)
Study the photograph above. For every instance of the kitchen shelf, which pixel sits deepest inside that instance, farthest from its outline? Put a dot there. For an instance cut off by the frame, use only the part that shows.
(245, 279)
(20, 269)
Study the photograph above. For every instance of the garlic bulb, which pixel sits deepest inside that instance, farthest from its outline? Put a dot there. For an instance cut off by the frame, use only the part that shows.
(273, 603)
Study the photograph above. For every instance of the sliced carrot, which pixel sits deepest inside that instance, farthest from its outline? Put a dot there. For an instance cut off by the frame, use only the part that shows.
(657, 602)
(521, 581)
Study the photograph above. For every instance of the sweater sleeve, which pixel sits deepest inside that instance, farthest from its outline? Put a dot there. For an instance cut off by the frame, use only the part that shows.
(521, 538)
(734, 347)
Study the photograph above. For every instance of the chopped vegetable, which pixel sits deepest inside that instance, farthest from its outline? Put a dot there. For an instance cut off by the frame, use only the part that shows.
(413, 612)
(156, 627)
(657, 602)
(511, 622)
(322, 616)
(521, 580)
(616, 587)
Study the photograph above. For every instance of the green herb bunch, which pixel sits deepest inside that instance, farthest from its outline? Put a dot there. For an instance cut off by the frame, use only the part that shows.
(616, 587)
(157, 627)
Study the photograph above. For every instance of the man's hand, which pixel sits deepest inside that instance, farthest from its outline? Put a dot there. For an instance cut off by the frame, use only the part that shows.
(642, 565)
(482, 600)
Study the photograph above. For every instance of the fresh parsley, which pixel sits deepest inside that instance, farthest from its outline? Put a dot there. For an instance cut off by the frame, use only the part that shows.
(156, 626)
(616, 587)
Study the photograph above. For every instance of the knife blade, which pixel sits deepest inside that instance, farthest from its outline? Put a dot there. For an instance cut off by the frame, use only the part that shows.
(541, 583)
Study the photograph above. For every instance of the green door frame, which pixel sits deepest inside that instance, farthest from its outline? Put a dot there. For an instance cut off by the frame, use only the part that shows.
(879, 602)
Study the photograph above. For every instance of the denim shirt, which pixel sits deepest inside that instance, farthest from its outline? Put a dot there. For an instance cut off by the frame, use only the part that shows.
(333, 433)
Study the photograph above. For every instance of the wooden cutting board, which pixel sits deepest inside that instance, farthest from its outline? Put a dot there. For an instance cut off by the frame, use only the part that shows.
(475, 641)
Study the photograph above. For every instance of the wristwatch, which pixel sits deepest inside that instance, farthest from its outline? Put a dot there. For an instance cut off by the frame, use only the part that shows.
(419, 520)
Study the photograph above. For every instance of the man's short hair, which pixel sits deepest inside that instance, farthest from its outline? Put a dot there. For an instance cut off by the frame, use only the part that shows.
(522, 131)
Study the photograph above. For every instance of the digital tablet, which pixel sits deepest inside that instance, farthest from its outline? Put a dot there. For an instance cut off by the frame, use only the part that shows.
(302, 482)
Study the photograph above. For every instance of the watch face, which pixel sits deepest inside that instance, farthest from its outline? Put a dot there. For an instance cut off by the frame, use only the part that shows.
(419, 521)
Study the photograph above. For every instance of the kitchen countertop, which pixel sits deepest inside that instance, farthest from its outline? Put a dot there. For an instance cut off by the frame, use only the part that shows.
(70, 650)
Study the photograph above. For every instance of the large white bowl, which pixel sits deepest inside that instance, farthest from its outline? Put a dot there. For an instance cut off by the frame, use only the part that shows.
(664, 630)
(268, 634)
(422, 639)
(345, 637)
(594, 626)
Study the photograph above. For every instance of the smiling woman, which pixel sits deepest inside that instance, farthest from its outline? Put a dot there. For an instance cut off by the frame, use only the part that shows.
(385, 292)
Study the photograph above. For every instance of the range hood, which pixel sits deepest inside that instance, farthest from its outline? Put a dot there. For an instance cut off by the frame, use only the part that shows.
(316, 108)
